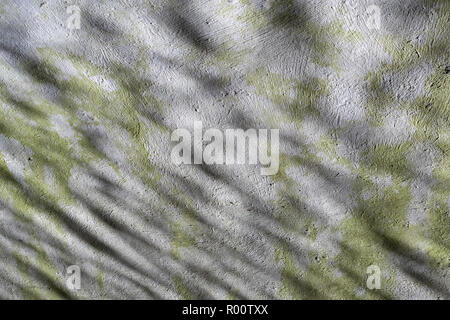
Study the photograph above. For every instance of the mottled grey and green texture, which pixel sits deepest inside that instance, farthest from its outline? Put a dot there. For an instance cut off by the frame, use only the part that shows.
(85, 171)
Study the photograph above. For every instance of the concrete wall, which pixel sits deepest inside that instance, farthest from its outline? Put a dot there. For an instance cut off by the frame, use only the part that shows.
(86, 178)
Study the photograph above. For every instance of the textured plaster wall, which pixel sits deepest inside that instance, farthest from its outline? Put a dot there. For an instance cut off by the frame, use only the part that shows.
(85, 171)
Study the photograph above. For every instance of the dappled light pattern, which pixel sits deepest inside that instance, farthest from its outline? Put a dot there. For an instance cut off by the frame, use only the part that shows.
(86, 177)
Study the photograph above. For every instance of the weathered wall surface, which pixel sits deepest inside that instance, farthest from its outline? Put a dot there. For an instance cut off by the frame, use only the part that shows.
(85, 171)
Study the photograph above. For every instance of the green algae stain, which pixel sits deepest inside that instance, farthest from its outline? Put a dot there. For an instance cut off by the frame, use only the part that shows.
(61, 154)
(46, 267)
(353, 37)
(182, 289)
(290, 275)
(432, 111)
(297, 99)
(361, 248)
(233, 295)
(430, 116)
(14, 194)
(252, 16)
(271, 85)
(100, 279)
(284, 15)
(378, 226)
(391, 160)
(50, 285)
(312, 231)
(180, 239)
(358, 234)
(225, 8)
(226, 57)
(374, 232)
(23, 266)
(439, 217)
(329, 147)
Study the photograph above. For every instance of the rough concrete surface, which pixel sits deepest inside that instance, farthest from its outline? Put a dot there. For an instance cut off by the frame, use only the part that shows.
(86, 177)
